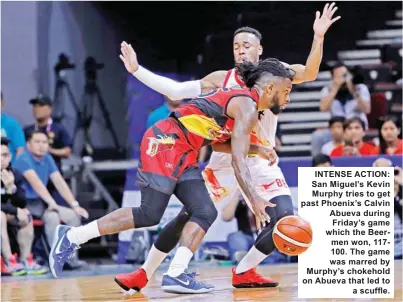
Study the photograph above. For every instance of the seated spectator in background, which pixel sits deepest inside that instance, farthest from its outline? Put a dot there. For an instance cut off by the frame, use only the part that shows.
(240, 242)
(15, 214)
(344, 98)
(321, 160)
(398, 204)
(11, 129)
(353, 140)
(389, 142)
(337, 132)
(60, 142)
(37, 167)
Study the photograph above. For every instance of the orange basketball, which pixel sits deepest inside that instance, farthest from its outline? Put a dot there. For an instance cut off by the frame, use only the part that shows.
(292, 235)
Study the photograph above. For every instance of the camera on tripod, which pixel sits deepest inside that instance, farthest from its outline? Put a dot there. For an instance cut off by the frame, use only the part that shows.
(63, 64)
(91, 66)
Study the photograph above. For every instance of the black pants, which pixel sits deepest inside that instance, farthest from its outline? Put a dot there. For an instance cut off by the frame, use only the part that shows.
(192, 193)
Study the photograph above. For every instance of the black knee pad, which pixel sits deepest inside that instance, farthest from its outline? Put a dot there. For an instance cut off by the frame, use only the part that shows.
(143, 217)
(264, 242)
(170, 234)
(152, 208)
(204, 215)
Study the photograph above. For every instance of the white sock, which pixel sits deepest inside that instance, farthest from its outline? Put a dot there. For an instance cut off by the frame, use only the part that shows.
(80, 235)
(180, 261)
(251, 260)
(154, 259)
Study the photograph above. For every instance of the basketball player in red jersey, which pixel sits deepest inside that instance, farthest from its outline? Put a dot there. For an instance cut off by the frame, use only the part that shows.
(246, 46)
(168, 165)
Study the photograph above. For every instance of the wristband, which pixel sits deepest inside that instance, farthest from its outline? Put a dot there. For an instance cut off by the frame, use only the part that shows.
(11, 190)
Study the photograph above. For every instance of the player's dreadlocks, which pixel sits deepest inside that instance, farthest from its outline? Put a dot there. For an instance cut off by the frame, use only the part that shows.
(251, 73)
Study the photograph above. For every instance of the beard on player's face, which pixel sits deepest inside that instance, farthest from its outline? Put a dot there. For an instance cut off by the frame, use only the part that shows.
(276, 108)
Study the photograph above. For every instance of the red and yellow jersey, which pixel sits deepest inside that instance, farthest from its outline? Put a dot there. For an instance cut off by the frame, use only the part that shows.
(206, 116)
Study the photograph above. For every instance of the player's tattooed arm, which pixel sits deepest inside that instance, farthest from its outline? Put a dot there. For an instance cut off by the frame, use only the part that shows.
(244, 112)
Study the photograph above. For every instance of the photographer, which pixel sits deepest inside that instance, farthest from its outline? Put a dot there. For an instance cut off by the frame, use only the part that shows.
(344, 96)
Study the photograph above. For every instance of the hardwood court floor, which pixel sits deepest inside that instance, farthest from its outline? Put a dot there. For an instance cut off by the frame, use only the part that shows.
(103, 288)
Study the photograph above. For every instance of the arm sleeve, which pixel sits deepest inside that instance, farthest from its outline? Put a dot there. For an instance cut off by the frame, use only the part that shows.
(174, 90)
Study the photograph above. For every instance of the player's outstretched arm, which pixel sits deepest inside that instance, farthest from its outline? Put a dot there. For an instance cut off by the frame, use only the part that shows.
(244, 112)
(172, 89)
(309, 72)
(264, 152)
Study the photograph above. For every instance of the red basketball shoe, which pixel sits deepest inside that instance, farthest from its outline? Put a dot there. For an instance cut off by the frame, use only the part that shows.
(135, 280)
(251, 278)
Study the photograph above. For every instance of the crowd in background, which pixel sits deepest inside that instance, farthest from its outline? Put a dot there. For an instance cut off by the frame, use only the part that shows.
(33, 189)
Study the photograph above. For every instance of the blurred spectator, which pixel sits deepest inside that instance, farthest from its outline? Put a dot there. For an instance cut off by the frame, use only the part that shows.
(389, 142)
(322, 160)
(38, 166)
(163, 111)
(11, 129)
(342, 97)
(240, 242)
(60, 142)
(398, 204)
(337, 132)
(15, 215)
(353, 140)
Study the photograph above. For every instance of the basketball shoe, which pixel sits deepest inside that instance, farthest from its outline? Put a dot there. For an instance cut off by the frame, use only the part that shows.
(251, 278)
(185, 283)
(62, 250)
(135, 280)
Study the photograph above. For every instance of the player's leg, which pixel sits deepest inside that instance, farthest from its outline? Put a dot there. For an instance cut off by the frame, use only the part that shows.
(170, 234)
(68, 239)
(244, 275)
(195, 197)
(166, 241)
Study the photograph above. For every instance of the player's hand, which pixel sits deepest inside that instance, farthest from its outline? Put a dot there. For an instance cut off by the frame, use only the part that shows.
(268, 154)
(7, 177)
(129, 57)
(322, 23)
(259, 209)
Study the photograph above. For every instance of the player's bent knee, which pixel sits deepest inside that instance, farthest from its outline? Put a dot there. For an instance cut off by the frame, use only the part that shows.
(205, 216)
(145, 218)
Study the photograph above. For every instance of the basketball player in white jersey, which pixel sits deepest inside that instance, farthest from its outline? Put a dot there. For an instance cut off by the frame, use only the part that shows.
(219, 176)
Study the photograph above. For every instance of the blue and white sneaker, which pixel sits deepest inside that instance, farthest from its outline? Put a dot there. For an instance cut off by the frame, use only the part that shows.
(185, 283)
(62, 250)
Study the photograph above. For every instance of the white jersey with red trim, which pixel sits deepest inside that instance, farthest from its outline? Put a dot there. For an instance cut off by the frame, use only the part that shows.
(265, 131)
